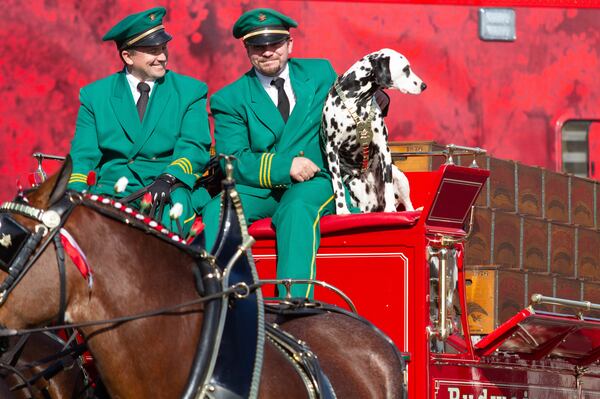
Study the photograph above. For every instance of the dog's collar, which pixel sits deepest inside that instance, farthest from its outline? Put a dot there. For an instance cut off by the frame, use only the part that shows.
(364, 129)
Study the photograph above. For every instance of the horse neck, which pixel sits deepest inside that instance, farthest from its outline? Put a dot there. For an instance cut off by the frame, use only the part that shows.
(133, 272)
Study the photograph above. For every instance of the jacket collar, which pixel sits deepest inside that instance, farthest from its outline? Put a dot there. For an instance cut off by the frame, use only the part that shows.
(262, 106)
(126, 111)
(267, 112)
(124, 108)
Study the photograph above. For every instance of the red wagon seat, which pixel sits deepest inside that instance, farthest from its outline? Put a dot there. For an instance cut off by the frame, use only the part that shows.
(340, 224)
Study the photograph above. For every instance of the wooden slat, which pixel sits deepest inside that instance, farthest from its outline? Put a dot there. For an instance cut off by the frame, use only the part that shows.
(556, 196)
(529, 186)
(588, 254)
(478, 246)
(582, 201)
(535, 245)
(538, 283)
(502, 184)
(562, 250)
(507, 227)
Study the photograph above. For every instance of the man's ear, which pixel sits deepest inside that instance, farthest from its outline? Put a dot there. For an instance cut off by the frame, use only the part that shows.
(290, 43)
(126, 56)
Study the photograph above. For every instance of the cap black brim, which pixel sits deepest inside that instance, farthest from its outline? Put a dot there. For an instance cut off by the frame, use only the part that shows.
(266, 39)
(154, 39)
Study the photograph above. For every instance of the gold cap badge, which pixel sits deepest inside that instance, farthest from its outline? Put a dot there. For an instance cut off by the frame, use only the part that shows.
(152, 17)
(262, 17)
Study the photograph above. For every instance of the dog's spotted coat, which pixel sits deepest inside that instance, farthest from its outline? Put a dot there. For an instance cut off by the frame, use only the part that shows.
(382, 187)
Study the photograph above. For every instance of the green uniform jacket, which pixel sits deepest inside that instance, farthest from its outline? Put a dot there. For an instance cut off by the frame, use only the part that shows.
(249, 126)
(174, 137)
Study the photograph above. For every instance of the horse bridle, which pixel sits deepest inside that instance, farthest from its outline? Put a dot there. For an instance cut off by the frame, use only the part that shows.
(29, 245)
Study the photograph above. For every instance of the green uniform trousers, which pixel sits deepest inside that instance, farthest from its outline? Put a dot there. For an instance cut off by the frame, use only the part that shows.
(296, 212)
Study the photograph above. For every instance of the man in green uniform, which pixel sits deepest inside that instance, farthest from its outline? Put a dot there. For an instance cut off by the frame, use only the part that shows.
(270, 119)
(144, 123)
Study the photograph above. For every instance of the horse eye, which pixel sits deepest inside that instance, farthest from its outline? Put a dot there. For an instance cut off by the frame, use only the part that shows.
(406, 70)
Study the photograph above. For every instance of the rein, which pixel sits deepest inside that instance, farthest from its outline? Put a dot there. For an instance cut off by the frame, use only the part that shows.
(364, 129)
(240, 291)
(51, 222)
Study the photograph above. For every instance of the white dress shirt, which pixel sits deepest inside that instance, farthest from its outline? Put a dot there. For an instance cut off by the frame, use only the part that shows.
(133, 82)
(272, 90)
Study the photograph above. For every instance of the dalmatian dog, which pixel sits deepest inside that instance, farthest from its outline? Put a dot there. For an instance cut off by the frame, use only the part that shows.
(355, 136)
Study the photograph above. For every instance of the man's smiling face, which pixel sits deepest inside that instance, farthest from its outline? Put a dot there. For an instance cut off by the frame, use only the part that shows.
(147, 63)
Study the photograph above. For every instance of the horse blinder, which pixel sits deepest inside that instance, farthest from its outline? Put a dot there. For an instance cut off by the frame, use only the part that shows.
(12, 238)
(20, 247)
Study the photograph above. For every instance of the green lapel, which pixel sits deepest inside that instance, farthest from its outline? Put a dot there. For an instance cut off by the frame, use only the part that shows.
(263, 106)
(124, 107)
(161, 94)
(305, 93)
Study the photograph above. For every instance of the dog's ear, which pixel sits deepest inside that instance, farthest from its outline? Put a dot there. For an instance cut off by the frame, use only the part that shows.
(381, 71)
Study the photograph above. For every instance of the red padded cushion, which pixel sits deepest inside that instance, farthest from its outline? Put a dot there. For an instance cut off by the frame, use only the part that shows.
(330, 224)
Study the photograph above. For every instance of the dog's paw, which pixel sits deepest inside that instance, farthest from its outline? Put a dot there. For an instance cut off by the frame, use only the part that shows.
(390, 209)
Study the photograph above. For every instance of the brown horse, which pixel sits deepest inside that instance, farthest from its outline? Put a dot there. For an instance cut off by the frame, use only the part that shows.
(134, 272)
(32, 367)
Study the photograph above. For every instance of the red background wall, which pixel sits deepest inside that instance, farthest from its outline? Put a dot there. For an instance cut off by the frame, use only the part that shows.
(509, 98)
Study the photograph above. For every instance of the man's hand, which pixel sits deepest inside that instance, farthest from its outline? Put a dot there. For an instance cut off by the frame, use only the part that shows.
(161, 188)
(303, 169)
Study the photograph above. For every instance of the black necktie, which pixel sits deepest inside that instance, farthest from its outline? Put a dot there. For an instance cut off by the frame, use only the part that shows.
(283, 103)
(144, 89)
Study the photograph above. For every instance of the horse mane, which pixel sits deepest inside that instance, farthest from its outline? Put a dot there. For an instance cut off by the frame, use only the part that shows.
(128, 215)
(55, 188)
(62, 180)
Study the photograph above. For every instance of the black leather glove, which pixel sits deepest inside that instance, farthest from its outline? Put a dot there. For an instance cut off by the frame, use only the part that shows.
(160, 190)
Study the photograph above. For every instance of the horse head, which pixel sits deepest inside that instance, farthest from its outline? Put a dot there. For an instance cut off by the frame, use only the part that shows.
(33, 298)
(131, 270)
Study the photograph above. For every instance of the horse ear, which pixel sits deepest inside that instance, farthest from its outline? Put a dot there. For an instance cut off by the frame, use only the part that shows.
(381, 68)
(61, 182)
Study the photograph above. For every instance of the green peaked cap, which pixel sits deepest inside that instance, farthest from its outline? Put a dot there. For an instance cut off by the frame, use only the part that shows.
(262, 26)
(141, 29)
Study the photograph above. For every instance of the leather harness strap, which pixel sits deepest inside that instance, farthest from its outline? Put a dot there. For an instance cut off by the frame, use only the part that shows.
(303, 360)
(364, 130)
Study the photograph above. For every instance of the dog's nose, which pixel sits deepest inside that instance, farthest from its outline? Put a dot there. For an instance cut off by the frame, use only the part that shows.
(423, 86)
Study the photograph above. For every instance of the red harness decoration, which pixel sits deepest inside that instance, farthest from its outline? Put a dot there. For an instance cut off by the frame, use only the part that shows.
(76, 255)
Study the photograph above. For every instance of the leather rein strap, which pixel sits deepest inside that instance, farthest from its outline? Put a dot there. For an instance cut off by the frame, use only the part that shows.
(364, 129)
(51, 222)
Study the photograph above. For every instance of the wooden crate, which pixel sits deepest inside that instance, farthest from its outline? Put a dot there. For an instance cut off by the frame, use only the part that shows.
(567, 289)
(493, 296)
(562, 249)
(478, 246)
(597, 212)
(481, 300)
(582, 201)
(510, 294)
(416, 163)
(556, 196)
(507, 243)
(540, 284)
(502, 184)
(588, 254)
(529, 190)
(483, 162)
(534, 255)
(591, 292)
